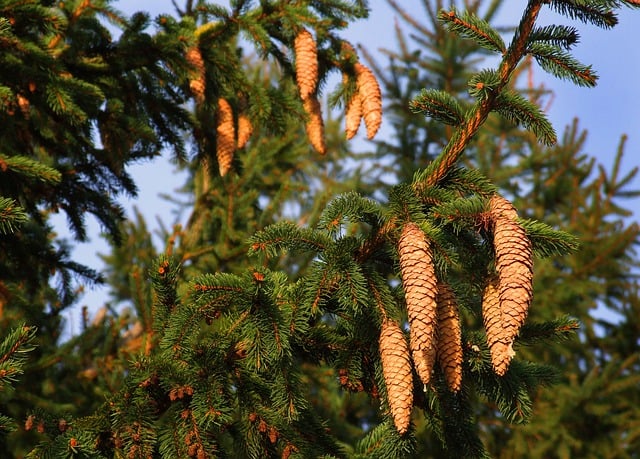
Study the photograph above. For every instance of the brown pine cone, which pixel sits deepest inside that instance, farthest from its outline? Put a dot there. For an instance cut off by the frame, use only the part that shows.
(398, 376)
(514, 263)
(420, 287)
(315, 124)
(245, 129)
(449, 349)
(226, 137)
(498, 338)
(197, 73)
(306, 56)
(371, 97)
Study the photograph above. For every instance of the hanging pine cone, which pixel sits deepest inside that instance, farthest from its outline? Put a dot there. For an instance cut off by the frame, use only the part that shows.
(498, 339)
(449, 350)
(306, 56)
(371, 98)
(226, 137)
(353, 112)
(398, 377)
(514, 263)
(245, 129)
(197, 73)
(420, 287)
(315, 124)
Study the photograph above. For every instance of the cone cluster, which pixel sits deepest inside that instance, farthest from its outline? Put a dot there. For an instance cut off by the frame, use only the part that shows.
(508, 295)
(365, 103)
(434, 329)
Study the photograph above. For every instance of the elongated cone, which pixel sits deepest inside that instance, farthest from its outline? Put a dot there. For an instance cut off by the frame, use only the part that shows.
(420, 288)
(398, 377)
(197, 77)
(306, 55)
(353, 112)
(226, 137)
(245, 129)
(371, 97)
(449, 350)
(498, 339)
(514, 263)
(315, 124)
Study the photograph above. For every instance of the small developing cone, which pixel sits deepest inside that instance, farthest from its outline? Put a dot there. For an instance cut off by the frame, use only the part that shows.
(196, 79)
(396, 368)
(449, 350)
(245, 129)
(306, 55)
(353, 113)
(371, 97)
(226, 137)
(500, 345)
(514, 263)
(420, 287)
(315, 124)
(24, 105)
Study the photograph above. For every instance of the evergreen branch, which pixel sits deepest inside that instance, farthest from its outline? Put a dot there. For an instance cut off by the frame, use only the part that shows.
(29, 169)
(558, 35)
(598, 12)
(552, 330)
(478, 114)
(13, 353)
(469, 181)
(472, 27)
(547, 241)
(11, 216)
(439, 105)
(287, 236)
(562, 65)
(459, 208)
(513, 106)
(349, 206)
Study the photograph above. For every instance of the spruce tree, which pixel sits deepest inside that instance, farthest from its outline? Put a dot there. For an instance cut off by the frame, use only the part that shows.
(377, 324)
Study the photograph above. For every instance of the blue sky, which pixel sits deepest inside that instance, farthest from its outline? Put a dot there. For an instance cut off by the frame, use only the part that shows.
(607, 111)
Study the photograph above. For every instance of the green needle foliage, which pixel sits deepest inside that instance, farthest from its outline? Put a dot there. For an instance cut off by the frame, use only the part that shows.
(256, 330)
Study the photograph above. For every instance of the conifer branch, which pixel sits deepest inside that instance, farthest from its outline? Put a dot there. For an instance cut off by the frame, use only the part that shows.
(470, 26)
(11, 216)
(478, 114)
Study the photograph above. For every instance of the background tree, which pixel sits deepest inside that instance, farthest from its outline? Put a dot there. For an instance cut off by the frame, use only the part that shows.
(289, 353)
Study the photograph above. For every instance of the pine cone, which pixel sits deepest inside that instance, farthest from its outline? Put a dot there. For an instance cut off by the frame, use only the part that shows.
(245, 129)
(498, 339)
(197, 79)
(353, 113)
(371, 97)
(396, 368)
(315, 124)
(514, 263)
(449, 350)
(420, 287)
(306, 56)
(226, 136)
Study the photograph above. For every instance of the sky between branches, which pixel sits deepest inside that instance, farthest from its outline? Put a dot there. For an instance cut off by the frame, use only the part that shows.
(607, 111)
